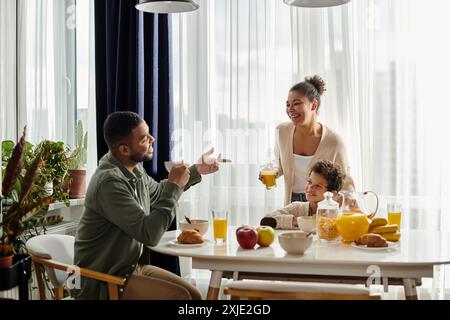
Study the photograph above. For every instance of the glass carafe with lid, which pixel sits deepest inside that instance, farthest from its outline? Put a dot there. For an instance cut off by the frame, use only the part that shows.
(327, 214)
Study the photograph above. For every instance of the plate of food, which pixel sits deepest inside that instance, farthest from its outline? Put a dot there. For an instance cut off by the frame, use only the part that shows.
(187, 245)
(390, 246)
(373, 242)
(189, 238)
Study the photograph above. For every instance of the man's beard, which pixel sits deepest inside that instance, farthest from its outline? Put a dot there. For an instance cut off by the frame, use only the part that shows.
(141, 157)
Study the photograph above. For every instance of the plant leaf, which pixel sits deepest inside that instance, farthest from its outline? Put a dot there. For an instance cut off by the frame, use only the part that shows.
(14, 166)
(30, 176)
(79, 133)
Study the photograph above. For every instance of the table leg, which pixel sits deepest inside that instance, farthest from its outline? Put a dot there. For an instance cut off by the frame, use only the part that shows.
(410, 289)
(214, 285)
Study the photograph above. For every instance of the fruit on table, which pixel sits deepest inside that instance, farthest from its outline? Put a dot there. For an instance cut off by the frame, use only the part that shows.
(376, 222)
(390, 228)
(388, 231)
(247, 237)
(266, 235)
(391, 236)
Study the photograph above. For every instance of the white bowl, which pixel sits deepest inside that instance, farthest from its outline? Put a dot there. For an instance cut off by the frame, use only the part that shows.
(306, 223)
(200, 225)
(295, 242)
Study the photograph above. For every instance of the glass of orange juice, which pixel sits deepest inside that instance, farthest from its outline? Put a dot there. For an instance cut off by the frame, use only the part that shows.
(394, 213)
(269, 176)
(220, 225)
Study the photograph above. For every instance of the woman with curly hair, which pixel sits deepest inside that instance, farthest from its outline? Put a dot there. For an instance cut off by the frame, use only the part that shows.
(303, 141)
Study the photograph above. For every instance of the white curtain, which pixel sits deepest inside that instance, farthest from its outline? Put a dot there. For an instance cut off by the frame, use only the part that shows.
(8, 70)
(91, 118)
(46, 70)
(385, 63)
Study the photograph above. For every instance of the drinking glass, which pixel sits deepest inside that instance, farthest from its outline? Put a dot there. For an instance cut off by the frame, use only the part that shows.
(220, 225)
(269, 176)
(394, 213)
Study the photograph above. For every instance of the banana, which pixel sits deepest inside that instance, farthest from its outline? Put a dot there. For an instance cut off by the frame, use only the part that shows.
(376, 222)
(390, 228)
(391, 236)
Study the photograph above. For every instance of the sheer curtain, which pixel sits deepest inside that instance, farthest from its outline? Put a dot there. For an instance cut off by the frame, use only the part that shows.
(54, 47)
(8, 70)
(46, 70)
(385, 69)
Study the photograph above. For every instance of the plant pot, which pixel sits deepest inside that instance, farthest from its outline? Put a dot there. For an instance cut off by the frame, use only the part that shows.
(6, 262)
(77, 187)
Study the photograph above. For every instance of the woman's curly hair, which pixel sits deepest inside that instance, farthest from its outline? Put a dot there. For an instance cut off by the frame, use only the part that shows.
(313, 87)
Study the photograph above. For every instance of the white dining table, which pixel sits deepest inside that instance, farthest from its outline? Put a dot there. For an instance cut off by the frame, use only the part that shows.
(415, 257)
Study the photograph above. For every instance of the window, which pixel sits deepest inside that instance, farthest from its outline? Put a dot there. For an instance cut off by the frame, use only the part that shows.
(386, 77)
(49, 43)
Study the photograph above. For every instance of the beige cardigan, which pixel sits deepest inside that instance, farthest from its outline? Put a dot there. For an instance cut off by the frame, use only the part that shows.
(331, 147)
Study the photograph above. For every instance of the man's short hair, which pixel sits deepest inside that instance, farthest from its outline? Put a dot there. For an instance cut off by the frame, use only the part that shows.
(331, 172)
(118, 127)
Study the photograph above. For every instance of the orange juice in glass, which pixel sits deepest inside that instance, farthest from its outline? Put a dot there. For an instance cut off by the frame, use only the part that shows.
(269, 176)
(220, 225)
(394, 214)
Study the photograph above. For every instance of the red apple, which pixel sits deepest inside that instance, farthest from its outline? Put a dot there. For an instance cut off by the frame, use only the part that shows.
(247, 237)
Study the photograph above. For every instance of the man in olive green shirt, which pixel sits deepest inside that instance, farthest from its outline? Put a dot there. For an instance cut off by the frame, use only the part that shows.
(126, 209)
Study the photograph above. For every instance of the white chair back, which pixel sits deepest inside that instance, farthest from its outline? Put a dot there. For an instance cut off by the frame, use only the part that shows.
(57, 247)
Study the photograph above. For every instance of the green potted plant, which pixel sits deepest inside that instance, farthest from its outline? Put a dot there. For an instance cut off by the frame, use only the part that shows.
(19, 211)
(77, 164)
(54, 171)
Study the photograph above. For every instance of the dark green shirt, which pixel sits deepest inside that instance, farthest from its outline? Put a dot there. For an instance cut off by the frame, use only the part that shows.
(122, 211)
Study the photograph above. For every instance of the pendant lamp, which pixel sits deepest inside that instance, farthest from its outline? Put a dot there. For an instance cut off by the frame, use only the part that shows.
(174, 6)
(315, 3)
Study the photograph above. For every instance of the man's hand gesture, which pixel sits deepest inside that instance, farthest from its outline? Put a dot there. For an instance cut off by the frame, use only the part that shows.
(208, 164)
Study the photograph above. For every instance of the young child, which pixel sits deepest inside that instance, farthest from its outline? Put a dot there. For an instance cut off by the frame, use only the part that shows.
(324, 176)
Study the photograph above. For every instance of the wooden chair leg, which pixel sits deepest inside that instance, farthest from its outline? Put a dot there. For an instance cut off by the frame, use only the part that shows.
(113, 292)
(40, 280)
(59, 293)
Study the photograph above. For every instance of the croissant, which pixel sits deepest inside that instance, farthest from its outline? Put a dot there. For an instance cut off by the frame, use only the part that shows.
(190, 236)
(372, 240)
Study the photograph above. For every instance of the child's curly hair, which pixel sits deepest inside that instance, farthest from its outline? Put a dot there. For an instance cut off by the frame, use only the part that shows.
(331, 172)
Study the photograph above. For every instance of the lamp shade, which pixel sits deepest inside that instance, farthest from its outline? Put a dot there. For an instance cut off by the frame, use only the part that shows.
(315, 3)
(174, 6)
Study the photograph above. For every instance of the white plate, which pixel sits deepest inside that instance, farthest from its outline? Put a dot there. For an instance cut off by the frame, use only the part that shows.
(182, 245)
(391, 246)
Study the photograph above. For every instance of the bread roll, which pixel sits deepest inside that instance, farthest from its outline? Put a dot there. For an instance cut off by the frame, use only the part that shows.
(190, 236)
(372, 240)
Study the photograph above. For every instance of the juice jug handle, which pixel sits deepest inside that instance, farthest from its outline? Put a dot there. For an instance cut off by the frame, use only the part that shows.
(373, 214)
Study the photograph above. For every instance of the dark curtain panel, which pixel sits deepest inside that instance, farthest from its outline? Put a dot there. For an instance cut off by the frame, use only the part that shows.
(134, 73)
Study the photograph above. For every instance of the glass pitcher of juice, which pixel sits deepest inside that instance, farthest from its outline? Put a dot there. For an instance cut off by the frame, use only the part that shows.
(353, 221)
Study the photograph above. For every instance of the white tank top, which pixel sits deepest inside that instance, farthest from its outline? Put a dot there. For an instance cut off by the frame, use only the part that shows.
(301, 173)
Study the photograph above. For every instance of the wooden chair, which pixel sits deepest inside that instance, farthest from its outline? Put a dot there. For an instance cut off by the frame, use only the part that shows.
(282, 290)
(55, 254)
